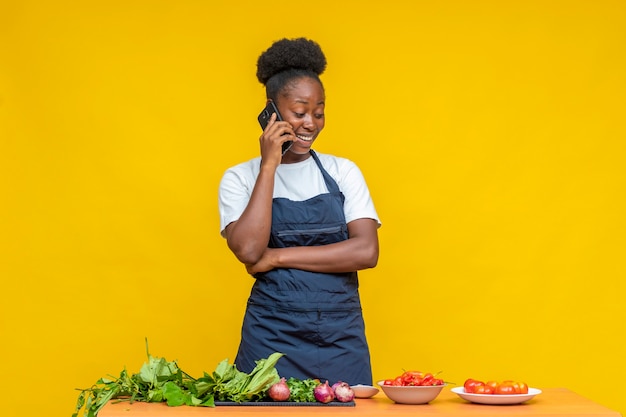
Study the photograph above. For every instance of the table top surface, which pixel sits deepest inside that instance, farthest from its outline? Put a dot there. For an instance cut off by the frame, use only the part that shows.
(551, 402)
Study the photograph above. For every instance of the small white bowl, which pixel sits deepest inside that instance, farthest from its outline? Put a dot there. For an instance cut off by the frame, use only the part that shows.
(411, 395)
(364, 391)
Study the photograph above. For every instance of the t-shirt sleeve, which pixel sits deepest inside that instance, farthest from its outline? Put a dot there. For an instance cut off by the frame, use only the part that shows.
(233, 196)
(358, 204)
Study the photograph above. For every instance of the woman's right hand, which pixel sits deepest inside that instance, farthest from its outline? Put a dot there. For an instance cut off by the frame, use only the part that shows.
(275, 134)
(264, 264)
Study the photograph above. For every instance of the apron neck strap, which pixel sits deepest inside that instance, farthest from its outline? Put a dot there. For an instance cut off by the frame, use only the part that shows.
(331, 184)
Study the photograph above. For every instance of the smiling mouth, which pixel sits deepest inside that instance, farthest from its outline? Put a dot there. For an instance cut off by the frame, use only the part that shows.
(305, 138)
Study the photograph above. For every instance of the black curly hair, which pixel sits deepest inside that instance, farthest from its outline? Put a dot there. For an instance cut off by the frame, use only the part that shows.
(287, 60)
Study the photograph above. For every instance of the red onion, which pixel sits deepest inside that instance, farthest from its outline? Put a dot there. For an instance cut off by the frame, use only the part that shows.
(279, 391)
(324, 393)
(343, 392)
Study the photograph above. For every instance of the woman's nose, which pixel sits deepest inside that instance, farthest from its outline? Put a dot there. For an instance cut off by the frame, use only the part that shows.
(308, 122)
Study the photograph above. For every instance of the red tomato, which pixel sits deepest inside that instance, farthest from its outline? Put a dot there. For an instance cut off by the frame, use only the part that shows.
(471, 384)
(468, 382)
(516, 386)
(397, 382)
(388, 382)
(483, 389)
(523, 388)
(505, 388)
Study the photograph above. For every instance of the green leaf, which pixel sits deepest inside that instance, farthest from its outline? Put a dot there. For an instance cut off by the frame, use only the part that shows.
(203, 387)
(101, 400)
(209, 402)
(248, 387)
(155, 396)
(173, 394)
(224, 371)
(193, 400)
(80, 402)
(157, 368)
(89, 401)
(263, 375)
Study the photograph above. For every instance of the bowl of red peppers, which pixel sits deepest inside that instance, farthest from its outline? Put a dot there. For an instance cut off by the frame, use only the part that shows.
(412, 387)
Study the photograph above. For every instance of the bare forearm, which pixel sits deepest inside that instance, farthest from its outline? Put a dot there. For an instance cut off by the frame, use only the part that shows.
(248, 237)
(359, 251)
(347, 256)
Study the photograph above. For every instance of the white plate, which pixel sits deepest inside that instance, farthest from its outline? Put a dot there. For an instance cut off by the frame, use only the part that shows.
(364, 391)
(496, 398)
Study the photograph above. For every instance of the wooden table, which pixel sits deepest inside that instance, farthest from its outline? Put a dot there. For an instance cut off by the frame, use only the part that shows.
(551, 402)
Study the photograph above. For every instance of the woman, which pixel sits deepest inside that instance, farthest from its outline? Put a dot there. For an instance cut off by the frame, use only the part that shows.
(303, 223)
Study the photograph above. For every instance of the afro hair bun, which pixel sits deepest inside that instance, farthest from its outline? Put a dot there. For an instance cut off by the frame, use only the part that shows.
(300, 53)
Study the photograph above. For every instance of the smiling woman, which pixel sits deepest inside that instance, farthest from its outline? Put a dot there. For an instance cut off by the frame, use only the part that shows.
(316, 213)
(490, 133)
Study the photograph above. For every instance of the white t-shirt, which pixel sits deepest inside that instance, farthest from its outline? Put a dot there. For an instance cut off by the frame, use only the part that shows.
(298, 182)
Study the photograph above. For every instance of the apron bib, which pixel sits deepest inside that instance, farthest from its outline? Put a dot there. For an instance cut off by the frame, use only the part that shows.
(314, 318)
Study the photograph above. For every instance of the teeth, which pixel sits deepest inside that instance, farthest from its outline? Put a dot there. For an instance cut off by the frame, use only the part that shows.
(305, 138)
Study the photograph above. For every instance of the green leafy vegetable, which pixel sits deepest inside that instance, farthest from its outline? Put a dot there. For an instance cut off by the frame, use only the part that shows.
(302, 389)
(237, 386)
(160, 380)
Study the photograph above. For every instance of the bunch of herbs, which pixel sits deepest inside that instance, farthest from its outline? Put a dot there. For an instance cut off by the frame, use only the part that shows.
(302, 390)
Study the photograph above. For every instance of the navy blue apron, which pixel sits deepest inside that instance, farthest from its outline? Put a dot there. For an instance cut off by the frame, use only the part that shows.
(313, 318)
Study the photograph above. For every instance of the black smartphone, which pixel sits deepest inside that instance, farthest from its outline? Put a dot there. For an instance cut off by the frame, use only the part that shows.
(264, 118)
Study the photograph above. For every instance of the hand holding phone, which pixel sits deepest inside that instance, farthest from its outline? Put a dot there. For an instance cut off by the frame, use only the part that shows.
(264, 118)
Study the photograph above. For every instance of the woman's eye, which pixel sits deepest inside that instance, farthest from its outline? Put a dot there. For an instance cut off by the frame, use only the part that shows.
(299, 115)
(319, 116)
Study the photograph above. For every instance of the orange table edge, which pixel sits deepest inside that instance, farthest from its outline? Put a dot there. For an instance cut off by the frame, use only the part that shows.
(552, 402)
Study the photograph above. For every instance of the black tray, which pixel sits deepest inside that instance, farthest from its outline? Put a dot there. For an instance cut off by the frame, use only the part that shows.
(285, 404)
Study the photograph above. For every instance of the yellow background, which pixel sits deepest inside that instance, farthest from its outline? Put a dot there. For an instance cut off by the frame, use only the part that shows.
(491, 134)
